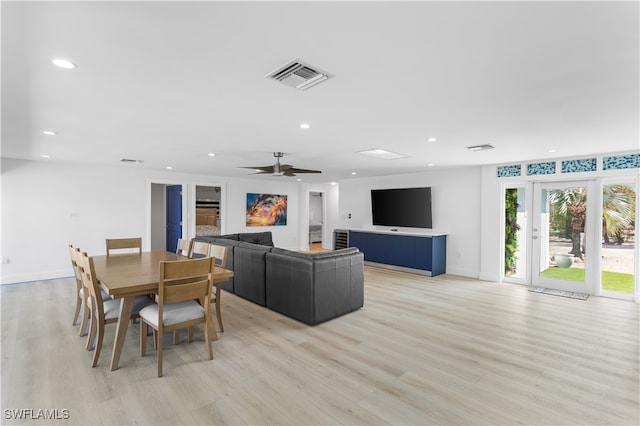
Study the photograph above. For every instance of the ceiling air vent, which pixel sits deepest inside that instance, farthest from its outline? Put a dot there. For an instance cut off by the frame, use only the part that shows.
(480, 147)
(130, 161)
(299, 75)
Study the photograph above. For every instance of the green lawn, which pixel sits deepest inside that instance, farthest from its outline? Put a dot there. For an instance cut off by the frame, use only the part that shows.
(611, 281)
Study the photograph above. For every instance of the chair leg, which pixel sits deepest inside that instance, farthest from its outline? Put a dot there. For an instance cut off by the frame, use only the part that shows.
(159, 334)
(219, 314)
(207, 337)
(79, 306)
(143, 338)
(190, 331)
(92, 333)
(85, 319)
(176, 336)
(96, 353)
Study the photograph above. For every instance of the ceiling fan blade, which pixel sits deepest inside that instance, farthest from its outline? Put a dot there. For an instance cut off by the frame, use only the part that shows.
(263, 169)
(294, 170)
(280, 169)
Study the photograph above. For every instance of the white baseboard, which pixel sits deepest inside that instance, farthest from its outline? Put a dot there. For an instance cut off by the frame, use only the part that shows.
(36, 276)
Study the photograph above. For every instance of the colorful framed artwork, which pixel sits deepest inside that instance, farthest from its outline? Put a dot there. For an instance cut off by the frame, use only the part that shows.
(266, 210)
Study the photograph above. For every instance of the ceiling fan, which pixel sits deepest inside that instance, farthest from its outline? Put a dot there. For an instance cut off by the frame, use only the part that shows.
(280, 169)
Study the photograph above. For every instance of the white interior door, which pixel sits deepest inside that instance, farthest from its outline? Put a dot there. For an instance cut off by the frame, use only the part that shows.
(562, 231)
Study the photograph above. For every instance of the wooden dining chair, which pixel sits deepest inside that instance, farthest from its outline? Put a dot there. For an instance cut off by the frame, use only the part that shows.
(184, 247)
(102, 311)
(122, 244)
(81, 295)
(219, 254)
(182, 282)
(199, 249)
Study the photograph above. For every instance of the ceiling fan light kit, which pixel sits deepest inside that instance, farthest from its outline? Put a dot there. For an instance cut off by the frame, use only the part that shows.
(280, 169)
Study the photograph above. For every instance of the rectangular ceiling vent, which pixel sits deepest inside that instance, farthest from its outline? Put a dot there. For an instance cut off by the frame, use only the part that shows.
(480, 147)
(299, 75)
(130, 161)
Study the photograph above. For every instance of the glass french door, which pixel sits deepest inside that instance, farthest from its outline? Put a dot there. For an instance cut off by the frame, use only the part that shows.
(562, 240)
(619, 265)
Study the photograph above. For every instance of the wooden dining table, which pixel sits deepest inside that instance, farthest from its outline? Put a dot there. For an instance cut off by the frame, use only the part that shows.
(125, 276)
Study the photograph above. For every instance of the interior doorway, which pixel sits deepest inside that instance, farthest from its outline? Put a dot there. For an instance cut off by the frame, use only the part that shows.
(316, 220)
(173, 217)
(159, 217)
(208, 217)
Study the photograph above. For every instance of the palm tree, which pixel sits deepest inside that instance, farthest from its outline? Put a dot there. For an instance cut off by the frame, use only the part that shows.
(618, 210)
(571, 201)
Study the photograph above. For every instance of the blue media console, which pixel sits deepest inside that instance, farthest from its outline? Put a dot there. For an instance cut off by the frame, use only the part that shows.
(424, 254)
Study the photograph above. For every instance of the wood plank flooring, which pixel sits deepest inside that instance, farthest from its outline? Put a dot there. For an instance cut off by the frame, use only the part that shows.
(444, 350)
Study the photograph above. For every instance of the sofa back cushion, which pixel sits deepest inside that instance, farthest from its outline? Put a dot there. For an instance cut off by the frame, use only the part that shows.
(315, 287)
(249, 268)
(318, 255)
(229, 237)
(262, 238)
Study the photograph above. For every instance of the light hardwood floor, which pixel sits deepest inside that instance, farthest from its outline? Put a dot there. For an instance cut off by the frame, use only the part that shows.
(444, 350)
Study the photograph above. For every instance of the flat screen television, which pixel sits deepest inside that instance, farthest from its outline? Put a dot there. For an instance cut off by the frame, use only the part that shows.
(407, 207)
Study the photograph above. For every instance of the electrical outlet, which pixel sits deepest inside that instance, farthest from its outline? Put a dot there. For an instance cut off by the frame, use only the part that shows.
(458, 255)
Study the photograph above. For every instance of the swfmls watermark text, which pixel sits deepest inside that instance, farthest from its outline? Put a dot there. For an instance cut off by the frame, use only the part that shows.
(36, 414)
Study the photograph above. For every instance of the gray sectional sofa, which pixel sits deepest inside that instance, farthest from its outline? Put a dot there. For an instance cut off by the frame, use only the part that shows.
(309, 287)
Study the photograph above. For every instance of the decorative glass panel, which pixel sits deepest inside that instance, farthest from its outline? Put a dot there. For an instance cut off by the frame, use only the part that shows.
(509, 171)
(617, 162)
(573, 166)
(548, 168)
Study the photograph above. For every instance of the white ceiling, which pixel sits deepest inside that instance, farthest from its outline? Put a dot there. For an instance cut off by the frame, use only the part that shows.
(170, 82)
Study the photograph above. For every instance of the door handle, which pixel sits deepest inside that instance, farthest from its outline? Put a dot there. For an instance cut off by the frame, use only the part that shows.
(535, 237)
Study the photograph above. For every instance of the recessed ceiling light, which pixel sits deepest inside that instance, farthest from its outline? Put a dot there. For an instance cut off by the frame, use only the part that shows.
(211, 154)
(430, 165)
(45, 156)
(552, 150)
(49, 132)
(334, 183)
(299, 180)
(63, 63)
(354, 173)
(169, 168)
(305, 126)
(432, 140)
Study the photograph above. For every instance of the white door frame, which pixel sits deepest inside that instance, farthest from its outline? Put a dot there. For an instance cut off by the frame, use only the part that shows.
(592, 240)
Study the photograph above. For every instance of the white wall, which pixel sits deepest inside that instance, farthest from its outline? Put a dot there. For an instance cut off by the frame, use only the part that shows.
(46, 206)
(455, 199)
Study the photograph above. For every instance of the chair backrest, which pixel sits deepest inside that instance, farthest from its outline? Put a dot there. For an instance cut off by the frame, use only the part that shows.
(90, 282)
(199, 249)
(184, 247)
(182, 280)
(219, 253)
(124, 243)
(76, 268)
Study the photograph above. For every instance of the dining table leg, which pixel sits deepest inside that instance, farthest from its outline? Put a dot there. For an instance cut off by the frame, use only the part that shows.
(126, 307)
